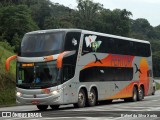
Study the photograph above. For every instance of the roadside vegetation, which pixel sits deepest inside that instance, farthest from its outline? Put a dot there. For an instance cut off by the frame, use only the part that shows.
(7, 79)
(157, 86)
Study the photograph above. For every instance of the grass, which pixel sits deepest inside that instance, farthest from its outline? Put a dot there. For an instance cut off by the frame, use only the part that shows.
(157, 86)
(7, 79)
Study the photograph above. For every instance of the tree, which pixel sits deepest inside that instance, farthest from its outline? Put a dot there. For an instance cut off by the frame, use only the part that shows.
(61, 17)
(157, 31)
(60, 22)
(115, 22)
(41, 11)
(16, 42)
(156, 63)
(87, 13)
(142, 27)
(15, 19)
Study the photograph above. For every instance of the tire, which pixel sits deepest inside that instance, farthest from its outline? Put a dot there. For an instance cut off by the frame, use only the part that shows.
(54, 107)
(141, 94)
(92, 99)
(42, 107)
(134, 97)
(81, 99)
(154, 90)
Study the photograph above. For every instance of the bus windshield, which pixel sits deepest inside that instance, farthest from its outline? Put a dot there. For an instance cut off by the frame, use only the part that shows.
(37, 73)
(41, 44)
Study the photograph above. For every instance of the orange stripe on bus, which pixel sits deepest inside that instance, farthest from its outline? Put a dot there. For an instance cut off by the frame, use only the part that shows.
(125, 92)
(48, 58)
(9, 60)
(113, 61)
(59, 59)
(144, 79)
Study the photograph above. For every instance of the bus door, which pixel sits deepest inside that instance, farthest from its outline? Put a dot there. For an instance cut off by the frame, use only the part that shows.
(69, 86)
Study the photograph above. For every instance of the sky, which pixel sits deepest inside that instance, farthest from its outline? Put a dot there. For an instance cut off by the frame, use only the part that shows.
(148, 9)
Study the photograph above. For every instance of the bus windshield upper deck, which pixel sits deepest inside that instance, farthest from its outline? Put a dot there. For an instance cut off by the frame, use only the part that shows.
(41, 44)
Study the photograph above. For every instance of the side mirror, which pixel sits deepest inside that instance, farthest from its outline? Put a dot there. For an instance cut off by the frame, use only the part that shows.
(9, 60)
(64, 54)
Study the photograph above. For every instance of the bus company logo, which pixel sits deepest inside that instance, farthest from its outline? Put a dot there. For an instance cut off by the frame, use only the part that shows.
(137, 69)
(92, 43)
(74, 41)
(97, 60)
(121, 60)
(116, 86)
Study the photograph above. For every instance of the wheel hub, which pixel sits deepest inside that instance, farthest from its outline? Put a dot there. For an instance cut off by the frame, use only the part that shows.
(81, 98)
(91, 97)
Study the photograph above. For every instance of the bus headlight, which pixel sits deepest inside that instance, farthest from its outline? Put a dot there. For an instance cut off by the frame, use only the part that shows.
(18, 94)
(55, 92)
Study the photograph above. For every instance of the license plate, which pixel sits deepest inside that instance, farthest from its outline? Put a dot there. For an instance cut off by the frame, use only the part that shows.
(35, 102)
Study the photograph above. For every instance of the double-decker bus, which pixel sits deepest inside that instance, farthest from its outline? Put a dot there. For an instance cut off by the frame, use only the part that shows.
(80, 67)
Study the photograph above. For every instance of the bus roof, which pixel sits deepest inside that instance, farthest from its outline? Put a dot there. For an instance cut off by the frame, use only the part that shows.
(88, 32)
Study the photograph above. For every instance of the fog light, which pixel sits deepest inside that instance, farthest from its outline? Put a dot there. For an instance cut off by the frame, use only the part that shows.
(18, 94)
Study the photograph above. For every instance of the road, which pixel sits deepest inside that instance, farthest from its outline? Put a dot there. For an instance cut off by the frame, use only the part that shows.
(118, 110)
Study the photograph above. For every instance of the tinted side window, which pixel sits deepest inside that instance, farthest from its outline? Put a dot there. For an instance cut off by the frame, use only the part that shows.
(142, 49)
(72, 41)
(106, 74)
(147, 50)
(94, 43)
(68, 72)
(102, 44)
(107, 46)
(69, 63)
(123, 47)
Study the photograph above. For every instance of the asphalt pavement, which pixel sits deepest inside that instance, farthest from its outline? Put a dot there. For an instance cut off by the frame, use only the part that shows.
(148, 109)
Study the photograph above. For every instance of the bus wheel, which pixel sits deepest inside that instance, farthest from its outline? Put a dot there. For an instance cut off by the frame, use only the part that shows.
(54, 107)
(141, 94)
(42, 107)
(135, 95)
(81, 99)
(92, 99)
(154, 90)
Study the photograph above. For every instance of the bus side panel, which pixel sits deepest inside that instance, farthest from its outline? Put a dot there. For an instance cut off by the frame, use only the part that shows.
(101, 75)
(147, 75)
(117, 89)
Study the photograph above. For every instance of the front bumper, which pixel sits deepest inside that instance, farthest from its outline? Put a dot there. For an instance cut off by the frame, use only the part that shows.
(36, 96)
(50, 100)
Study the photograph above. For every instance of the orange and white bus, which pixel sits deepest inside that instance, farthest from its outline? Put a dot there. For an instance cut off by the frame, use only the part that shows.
(80, 67)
